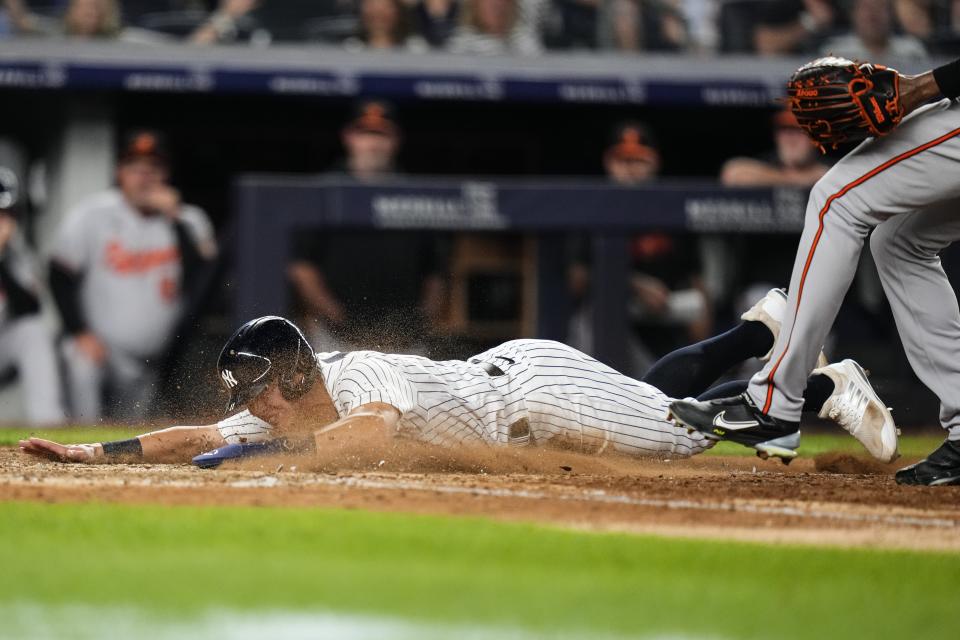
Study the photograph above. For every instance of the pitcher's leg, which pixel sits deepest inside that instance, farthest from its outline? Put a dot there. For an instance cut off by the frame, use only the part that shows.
(924, 304)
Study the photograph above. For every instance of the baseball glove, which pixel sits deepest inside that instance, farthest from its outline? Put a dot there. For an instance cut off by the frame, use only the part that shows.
(837, 100)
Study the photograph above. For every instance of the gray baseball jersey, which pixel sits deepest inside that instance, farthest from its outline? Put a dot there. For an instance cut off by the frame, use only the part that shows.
(538, 390)
(131, 269)
(904, 188)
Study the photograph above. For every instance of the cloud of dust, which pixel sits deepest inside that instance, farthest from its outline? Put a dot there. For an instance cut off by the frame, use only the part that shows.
(409, 456)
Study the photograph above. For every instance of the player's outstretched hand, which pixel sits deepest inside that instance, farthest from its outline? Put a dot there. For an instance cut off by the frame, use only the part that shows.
(59, 452)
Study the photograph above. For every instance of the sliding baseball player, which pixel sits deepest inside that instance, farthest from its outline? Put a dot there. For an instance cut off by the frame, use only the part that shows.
(521, 393)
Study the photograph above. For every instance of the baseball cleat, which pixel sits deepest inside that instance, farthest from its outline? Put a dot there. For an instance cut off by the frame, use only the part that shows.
(941, 467)
(770, 310)
(738, 420)
(855, 406)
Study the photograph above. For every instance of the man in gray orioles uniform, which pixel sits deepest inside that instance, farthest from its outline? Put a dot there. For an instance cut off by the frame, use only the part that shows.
(120, 264)
(905, 189)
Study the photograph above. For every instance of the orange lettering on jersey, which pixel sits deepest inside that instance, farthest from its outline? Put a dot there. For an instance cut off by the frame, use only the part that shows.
(130, 262)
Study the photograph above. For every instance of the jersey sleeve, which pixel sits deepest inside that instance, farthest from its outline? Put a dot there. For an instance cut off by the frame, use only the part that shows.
(72, 245)
(198, 224)
(244, 427)
(369, 380)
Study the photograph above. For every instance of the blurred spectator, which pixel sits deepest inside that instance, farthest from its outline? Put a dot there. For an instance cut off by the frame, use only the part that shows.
(92, 19)
(872, 38)
(15, 18)
(935, 22)
(81, 20)
(365, 289)
(436, 20)
(177, 19)
(917, 17)
(701, 18)
(26, 343)
(794, 161)
(668, 305)
(224, 23)
(573, 24)
(796, 26)
(136, 10)
(123, 265)
(328, 21)
(642, 25)
(385, 24)
(491, 27)
(372, 142)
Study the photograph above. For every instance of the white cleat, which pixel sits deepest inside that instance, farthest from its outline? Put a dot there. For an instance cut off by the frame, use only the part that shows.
(770, 310)
(856, 407)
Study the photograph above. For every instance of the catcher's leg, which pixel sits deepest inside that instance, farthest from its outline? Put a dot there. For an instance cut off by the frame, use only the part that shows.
(924, 304)
(903, 173)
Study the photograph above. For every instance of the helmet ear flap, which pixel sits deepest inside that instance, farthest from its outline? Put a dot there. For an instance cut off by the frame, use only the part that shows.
(294, 387)
(296, 384)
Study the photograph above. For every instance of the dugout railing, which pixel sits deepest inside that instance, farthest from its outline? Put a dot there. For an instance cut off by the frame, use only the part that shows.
(271, 209)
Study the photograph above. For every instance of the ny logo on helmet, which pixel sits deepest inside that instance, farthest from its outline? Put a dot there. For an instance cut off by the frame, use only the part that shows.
(228, 378)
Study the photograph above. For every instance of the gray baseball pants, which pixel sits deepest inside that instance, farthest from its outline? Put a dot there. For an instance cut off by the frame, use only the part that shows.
(129, 383)
(27, 344)
(905, 189)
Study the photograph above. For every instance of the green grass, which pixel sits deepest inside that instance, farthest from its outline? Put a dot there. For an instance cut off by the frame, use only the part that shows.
(10, 436)
(177, 562)
(813, 443)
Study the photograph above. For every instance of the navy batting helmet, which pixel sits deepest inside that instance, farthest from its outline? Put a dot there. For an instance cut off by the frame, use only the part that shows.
(261, 351)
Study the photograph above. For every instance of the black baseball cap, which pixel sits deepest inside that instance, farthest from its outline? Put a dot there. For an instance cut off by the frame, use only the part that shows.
(632, 141)
(374, 116)
(144, 143)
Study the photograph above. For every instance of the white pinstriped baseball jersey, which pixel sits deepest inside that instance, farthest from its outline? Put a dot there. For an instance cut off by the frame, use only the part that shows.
(546, 390)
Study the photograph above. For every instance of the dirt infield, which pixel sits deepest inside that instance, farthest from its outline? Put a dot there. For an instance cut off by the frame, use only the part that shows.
(832, 500)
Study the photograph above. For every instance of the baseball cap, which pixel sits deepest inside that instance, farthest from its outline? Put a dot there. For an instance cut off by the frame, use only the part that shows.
(374, 116)
(784, 119)
(632, 141)
(144, 143)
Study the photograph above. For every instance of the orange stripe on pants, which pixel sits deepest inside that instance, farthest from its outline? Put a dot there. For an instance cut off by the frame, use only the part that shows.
(816, 240)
